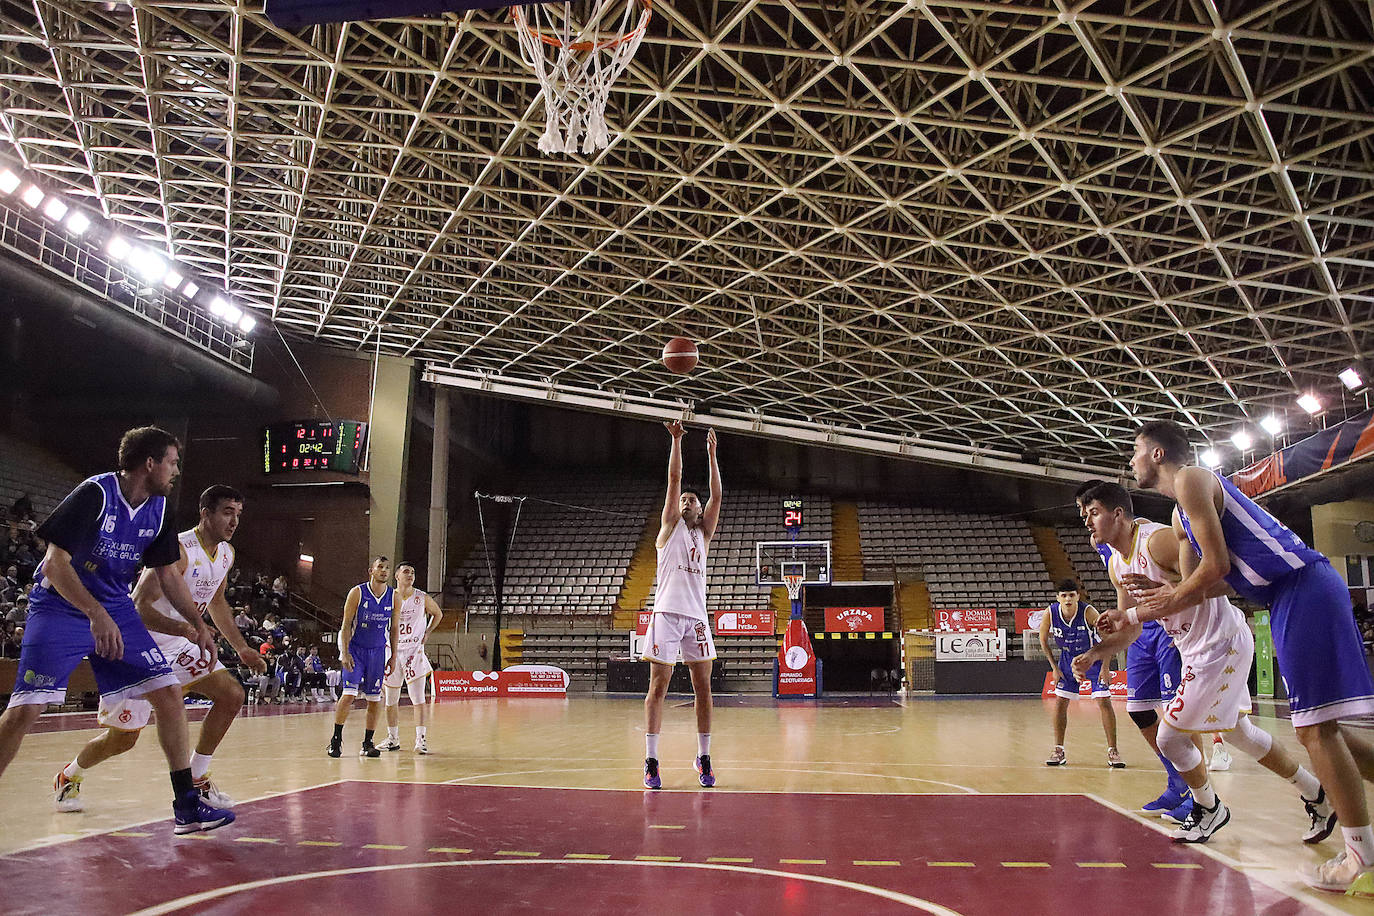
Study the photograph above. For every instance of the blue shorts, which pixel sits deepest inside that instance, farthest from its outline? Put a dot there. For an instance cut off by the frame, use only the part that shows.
(57, 637)
(1153, 669)
(1067, 685)
(364, 679)
(1320, 653)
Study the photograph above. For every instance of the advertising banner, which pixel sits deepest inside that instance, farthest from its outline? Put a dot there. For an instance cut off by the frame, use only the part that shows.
(1028, 618)
(853, 620)
(966, 618)
(971, 646)
(1336, 445)
(517, 681)
(744, 623)
(1085, 689)
(796, 663)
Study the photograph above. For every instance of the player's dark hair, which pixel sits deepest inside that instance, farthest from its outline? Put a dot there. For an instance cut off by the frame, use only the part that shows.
(1111, 496)
(1084, 487)
(138, 445)
(378, 559)
(405, 564)
(699, 493)
(214, 495)
(1066, 585)
(1169, 436)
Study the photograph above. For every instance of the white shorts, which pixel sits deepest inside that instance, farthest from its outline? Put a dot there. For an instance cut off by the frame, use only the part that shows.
(670, 633)
(133, 714)
(1214, 691)
(415, 665)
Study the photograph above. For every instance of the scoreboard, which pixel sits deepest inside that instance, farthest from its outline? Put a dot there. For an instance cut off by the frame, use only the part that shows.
(313, 445)
(792, 513)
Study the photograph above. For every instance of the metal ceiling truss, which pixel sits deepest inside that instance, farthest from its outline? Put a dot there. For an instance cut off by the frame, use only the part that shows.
(1016, 227)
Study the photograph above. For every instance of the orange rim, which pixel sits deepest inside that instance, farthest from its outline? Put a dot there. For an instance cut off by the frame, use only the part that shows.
(584, 46)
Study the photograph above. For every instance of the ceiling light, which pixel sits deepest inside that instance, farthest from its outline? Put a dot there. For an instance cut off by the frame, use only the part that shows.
(149, 266)
(190, 289)
(233, 314)
(78, 222)
(1210, 458)
(307, 558)
(1309, 403)
(248, 324)
(33, 196)
(117, 247)
(8, 181)
(1272, 425)
(56, 208)
(218, 306)
(173, 278)
(1351, 379)
(1242, 441)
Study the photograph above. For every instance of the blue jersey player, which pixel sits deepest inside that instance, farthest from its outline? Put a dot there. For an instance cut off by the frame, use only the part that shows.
(98, 538)
(1068, 623)
(1153, 669)
(364, 641)
(1320, 655)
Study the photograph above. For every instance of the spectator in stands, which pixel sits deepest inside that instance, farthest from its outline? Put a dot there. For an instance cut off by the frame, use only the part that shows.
(281, 593)
(469, 585)
(9, 642)
(22, 516)
(244, 621)
(268, 683)
(18, 615)
(313, 678)
(292, 672)
(236, 591)
(9, 585)
(272, 627)
(261, 595)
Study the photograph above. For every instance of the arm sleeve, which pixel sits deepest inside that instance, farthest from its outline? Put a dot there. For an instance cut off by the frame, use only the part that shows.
(165, 548)
(76, 520)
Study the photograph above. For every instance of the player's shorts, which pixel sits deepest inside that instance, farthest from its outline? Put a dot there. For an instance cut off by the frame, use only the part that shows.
(415, 689)
(1153, 668)
(133, 713)
(415, 665)
(1067, 685)
(57, 637)
(364, 679)
(1215, 691)
(1319, 650)
(670, 633)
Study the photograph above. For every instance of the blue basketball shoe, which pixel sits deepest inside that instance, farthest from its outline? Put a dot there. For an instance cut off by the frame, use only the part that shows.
(192, 814)
(703, 768)
(1180, 813)
(1171, 799)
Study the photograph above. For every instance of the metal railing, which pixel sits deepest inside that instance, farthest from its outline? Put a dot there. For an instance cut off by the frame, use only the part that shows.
(75, 260)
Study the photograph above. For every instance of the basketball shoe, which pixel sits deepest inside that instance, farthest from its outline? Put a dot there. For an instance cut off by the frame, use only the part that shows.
(1170, 800)
(420, 746)
(191, 814)
(211, 793)
(1323, 818)
(1336, 874)
(651, 778)
(1057, 758)
(67, 793)
(1202, 823)
(1221, 759)
(703, 768)
(390, 744)
(335, 748)
(369, 750)
(1114, 759)
(1180, 812)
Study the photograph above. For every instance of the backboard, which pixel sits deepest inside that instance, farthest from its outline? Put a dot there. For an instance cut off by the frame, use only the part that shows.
(809, 559)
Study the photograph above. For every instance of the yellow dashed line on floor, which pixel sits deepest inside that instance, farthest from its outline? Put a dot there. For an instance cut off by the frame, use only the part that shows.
(1025, 865)
(1175, 865)
(384, 846)
(659, 858)
(452, 849)
(518, 852)
(318, 843)
(667, 826)
(585, 855)
(801, 861)
(730, 861)
(876, 862)
(950, 864)
(256, 839)
(130, 833)
(1100, 864)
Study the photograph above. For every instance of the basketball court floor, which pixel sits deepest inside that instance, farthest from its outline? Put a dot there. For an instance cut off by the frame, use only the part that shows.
(847, 805)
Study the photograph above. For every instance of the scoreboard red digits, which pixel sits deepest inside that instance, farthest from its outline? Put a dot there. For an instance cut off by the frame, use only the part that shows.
(792, 513)
(314, 445)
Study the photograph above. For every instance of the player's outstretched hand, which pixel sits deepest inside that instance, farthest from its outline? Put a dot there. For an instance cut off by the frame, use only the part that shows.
(109, 642)
(253, 659)
(675, 429)
(711, 442)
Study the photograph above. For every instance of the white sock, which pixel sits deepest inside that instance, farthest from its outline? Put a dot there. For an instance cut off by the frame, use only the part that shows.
(703, 743)
(1307, 784)
(200, 764)
(1359, 841)
(393, 733)
(73, 770)
(651, 746)
(420, 732)
(1205, 796)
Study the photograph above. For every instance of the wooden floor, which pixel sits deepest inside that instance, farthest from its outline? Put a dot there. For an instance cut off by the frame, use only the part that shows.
(864, 745)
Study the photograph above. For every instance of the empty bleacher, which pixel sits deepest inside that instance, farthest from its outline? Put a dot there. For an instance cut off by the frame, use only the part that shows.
(1087, 564)
(28, 469)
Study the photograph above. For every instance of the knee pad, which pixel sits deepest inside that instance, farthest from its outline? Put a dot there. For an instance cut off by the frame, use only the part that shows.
(1143, 718)
(1250, 739)
(392, 695)
(1178, 747)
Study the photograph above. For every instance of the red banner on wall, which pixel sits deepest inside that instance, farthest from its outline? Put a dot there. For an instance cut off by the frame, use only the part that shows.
(1028, 618)
(1349, 441)
(743, 623)
(522, 681)
(642, 623)
(853, 620)
(966, 618)
(1085, 688)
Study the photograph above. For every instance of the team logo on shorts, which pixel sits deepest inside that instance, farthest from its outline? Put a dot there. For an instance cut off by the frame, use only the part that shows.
(126, 717)
(701, 632)
(34, 679)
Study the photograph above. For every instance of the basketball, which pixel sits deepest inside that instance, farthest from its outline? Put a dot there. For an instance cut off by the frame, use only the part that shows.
(680, 355)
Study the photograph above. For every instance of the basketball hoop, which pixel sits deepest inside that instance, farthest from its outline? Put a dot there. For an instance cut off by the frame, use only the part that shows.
(576, 63)
(794, 586)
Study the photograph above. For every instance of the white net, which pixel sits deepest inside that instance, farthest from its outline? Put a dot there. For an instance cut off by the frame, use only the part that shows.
(794, 586)
(576, 62)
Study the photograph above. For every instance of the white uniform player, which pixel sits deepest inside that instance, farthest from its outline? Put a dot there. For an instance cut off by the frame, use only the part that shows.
(414, 617)
(1213, 639)
(679, 622)
(205, 570)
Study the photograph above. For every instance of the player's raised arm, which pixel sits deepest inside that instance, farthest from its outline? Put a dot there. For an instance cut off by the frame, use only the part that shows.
(672, 500)
(711, 514)
(350, 619)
